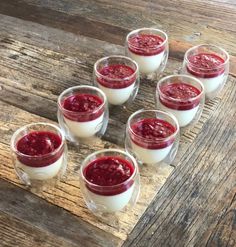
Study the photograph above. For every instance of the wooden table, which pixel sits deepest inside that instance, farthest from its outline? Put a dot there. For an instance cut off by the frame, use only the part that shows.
(48, 46)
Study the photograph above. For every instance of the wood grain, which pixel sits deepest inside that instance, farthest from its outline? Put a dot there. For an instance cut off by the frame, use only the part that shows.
(67, 193)
(198, 198)
(28, 220)
(115, 26)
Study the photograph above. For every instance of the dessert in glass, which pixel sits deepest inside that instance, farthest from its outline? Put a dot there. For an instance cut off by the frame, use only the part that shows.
(181, 95)
(118, 78)
(39, 152)
(149, 48)
(152, 136)
(109, 181)
(82, 113)
(209, 64)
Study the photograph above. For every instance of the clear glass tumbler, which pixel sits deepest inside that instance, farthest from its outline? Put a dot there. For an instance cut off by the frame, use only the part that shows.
(118, 77)
(109, 181)
(39, 153)
(149, 48)
(83, 113)
(209, 64)
(152, 136)
(183, 96)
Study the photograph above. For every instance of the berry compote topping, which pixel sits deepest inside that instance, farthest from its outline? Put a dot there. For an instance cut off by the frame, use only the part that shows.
(109, 171)
(151, 133)
(146, 44)
(82, 107)
(116, 76)
(36, 145)
(180, 96)
(205, 65)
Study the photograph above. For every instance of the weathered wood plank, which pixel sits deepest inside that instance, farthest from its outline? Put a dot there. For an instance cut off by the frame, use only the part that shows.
(27, 220)
(186, 21)
(190, 208)
(14, 232)
(67, 193)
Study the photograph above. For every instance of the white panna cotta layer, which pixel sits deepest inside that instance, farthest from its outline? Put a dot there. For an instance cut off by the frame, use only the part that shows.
(42, 173)
(184, 117)
(147, 64)
(210, 84)
(111, 203)
(84, 129)
(117, 96)
(150, 156)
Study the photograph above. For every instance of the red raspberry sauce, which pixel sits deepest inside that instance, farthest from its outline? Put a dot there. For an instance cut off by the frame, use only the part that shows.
(205, 65)
(109, 171)
(38, 144)
(116, 75)
(149, 133)
(79, 104)
(146, 44)
(182, 92)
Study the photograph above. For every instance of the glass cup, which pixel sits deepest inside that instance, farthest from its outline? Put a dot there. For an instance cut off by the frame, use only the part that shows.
(209, 64)
(80, 123)
(39, 153)
(101, 195)
(187, 109)
(149, 48)
(118, 78)
(147, 138)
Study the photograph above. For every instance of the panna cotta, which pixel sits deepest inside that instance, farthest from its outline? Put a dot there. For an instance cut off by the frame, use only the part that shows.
(83, 114)
(118, 78)
(40, 154)
(208, 68)
(209, 64)
(109, 182)
(180, 99)
(151, 139)
(147, 47)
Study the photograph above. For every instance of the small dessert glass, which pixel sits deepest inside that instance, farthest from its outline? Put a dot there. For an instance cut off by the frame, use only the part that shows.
(212, 69)
(150, 55)
(80, 127)
(39, 170)
(187, 110)
(155, 150)
(110, 198)
(118, 77)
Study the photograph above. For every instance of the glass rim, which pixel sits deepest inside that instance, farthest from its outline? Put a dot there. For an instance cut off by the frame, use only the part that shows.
(85, 162)
(207, 45)
(112, 79)
(21, 129)
(158, 89)
(147, 29)
(59, 100)
(157, 139)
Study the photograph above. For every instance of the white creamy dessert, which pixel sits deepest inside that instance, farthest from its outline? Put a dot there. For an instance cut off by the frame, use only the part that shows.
(184, 117)
(147, 64)
(117, 96)
(42, 173)
(111, 203)
(210, 84)
(84, 129)
(150, 156)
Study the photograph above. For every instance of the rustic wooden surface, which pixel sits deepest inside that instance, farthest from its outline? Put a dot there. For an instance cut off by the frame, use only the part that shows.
(47, 46)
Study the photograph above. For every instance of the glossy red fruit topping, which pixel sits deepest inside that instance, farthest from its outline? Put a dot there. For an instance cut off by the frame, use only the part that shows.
(37, 146)
(82, 107)
(109, 171)
(205, 65)
(116, 76)
(179, 96)
(146, 44)
(152, 133)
